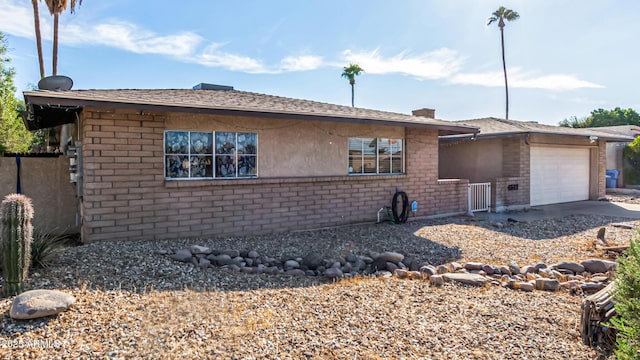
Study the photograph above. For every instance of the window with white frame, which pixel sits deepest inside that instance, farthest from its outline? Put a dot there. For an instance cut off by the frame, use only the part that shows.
(196, 154)
(375, 156)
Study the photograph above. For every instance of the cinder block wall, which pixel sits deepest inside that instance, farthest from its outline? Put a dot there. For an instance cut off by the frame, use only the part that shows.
(46, 181)
(126, 195)
(516, 169)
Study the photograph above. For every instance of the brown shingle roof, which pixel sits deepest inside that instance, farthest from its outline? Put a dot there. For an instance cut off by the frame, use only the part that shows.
(231, 101)
(492, 127)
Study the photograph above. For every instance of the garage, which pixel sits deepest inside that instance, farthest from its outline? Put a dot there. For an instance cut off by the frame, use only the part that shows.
(559, 174)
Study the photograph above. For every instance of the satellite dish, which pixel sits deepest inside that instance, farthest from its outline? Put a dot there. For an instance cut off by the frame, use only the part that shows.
(55, 83)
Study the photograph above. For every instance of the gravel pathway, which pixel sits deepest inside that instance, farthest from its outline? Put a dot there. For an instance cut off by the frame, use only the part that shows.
(136, 303)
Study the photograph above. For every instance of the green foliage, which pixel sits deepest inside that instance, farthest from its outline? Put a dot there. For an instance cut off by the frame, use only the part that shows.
(501, 15)
(16, 213)
(602, 117)
(631, 162)
(350, 72)
(627, 295)
(14, 137)
(45, 245)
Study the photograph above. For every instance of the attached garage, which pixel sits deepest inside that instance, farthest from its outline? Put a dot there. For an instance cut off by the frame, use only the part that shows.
(559, 174)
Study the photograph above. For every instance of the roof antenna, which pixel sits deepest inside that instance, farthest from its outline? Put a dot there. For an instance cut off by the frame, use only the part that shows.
(55, 83)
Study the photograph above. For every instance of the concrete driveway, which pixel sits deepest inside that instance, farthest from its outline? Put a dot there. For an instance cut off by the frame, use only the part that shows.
(604, 208)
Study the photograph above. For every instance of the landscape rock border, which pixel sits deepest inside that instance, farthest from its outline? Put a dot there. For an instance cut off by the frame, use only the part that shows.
(588, 276)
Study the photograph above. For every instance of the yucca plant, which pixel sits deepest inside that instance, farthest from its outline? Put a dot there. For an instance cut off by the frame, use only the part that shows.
(16, 213)
(45, 244)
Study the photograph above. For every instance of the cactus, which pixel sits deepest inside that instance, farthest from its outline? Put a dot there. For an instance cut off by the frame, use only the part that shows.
(16, 213)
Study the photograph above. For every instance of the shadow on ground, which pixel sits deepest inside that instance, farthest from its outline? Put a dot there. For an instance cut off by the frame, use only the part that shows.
(140, 266)
(543, 229)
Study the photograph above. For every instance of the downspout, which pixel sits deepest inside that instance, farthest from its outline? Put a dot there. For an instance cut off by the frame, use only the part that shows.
(18, 187)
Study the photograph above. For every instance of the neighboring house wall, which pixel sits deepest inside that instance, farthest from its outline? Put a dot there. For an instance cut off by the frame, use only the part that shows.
(302, 178)
(502, 162)
(467, 159)
(46, 181)
(614, 160)
(473, 160)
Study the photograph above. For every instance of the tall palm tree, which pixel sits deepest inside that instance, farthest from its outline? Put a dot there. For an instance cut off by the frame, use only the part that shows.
(500, 16)
(56, 7)
(36, 23)
(350, 72)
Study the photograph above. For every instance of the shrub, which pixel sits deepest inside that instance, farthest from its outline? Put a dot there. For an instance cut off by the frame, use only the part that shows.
(627, 295)
(45, 245)
(631, 162)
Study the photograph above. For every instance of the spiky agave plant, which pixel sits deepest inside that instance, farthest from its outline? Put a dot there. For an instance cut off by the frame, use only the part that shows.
(16, 213)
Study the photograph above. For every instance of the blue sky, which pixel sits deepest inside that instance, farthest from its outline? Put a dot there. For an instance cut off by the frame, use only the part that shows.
(564, 58)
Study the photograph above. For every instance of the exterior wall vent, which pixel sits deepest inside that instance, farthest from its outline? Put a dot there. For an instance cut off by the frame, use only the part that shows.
(205, 86)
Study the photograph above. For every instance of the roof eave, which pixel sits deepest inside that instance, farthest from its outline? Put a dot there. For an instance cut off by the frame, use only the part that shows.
(36, 98)
(482, 135)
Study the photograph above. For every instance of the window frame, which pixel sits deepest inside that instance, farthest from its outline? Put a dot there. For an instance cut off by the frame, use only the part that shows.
(212, 155)
(377, 140)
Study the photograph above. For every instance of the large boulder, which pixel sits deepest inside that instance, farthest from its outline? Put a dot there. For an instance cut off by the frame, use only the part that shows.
(183, 255)
(466, 278)
(199, 250)
(514, 268)
(597, 265)
(221, 260)
(379, 264)
(471, 266)
(333, 273)
(547, 284)
(391, 256)
(35, 304)
(312, 261)
(291, 264)
(571, 266)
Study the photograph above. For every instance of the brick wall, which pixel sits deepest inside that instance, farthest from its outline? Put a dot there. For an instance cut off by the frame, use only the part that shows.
(602, 167)
(516, 170)
(502, 198)
(126, 195)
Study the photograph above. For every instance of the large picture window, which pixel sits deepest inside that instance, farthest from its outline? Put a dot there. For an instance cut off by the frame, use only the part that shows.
(375, 156)
(194, 154)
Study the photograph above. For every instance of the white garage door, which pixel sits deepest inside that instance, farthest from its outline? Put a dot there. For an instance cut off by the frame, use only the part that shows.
(559, 175)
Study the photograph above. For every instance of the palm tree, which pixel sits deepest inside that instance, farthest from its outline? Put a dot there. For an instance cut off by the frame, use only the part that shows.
(500, 16)
(56, 7)
(350, 72)
(36, 23)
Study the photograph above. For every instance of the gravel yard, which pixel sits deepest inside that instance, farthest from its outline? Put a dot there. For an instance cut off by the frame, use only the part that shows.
(631, 198)
(133, 302)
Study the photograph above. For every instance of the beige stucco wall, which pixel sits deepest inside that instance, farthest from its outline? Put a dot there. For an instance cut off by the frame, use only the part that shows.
(46, 182)
(126, 195)
(476, 160)
(280, 154)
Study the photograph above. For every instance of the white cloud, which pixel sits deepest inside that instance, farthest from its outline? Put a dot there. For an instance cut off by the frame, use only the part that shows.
(16, 18)
(438, 64)
(212, 57)
(300, 63)
(131, 38)
(520, 79)
(184, 46)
